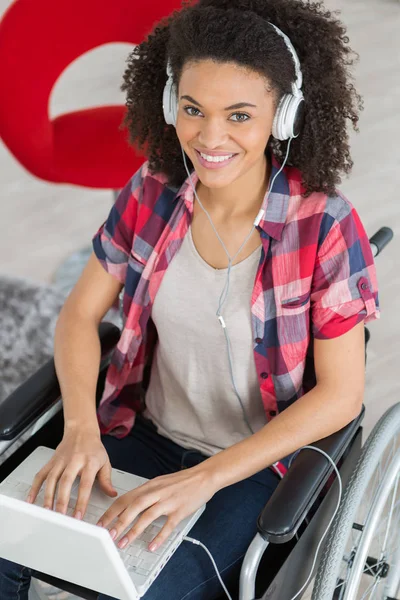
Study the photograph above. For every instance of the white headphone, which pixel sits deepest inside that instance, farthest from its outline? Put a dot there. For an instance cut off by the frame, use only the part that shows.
(288, 116)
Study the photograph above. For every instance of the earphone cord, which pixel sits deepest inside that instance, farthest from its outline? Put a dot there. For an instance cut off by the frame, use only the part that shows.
(225, 290)
(303, 587)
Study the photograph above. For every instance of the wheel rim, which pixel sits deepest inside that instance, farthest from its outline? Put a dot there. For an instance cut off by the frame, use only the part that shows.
(370, 568)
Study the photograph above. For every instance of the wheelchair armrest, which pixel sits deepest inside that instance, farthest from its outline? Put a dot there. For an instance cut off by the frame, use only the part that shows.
(40, 391)
(296, 493)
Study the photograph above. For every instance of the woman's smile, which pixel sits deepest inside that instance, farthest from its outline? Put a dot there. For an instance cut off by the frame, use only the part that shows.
(214, 162)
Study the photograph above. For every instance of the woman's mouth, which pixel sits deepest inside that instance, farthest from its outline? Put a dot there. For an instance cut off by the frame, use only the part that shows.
(214, 162)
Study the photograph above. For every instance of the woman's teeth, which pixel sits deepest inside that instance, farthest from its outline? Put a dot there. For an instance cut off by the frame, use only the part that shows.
(215, 158)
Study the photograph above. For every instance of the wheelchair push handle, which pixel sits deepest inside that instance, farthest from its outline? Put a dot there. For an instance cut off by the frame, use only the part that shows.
(380, 239)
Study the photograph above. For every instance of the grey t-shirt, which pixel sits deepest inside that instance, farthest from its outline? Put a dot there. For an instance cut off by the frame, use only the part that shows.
(190, 397)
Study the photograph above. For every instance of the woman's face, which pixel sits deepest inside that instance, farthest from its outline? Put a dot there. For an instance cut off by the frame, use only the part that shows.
(209, 122)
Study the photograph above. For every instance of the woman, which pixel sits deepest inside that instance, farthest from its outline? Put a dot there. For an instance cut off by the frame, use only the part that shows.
(247, 278)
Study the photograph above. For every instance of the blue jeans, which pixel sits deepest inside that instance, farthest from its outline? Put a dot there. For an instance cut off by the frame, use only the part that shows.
(226, 527)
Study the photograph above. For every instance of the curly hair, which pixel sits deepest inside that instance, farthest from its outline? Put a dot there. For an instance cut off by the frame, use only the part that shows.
(238, 31)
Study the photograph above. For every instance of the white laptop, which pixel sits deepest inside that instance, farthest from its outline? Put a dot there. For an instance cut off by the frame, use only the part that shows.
(77, 550)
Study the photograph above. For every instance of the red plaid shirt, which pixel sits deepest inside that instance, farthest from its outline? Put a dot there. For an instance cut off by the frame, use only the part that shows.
(316, 279)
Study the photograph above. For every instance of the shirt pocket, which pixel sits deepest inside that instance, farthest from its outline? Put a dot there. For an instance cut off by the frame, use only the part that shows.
(294, 327)
(135, 257)
(136, 265)
(298, 303)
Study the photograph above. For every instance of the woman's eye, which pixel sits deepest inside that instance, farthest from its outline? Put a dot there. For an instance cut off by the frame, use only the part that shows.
(188, 108)
(194, 112)
(247, 117)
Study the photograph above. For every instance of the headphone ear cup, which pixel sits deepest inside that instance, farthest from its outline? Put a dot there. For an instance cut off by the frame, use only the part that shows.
(170, 104)
(288, 117)
(295, 116)
(279, 129)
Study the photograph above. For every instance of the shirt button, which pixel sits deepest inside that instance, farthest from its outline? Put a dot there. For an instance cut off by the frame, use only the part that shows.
(364, 286)
(264, 375)
(258, 340)
(272, 413)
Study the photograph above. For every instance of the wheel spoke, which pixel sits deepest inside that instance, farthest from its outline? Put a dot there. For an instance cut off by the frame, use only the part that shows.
(396, 507)
(371, 589)
(368, 569)
(393, 545)
(341, 585)
(374, 588)
(395, 487)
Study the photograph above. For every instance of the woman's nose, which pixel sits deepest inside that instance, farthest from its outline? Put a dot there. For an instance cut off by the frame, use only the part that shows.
(212, 134)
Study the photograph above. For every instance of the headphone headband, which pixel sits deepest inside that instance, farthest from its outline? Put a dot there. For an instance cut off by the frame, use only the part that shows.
(299, 75)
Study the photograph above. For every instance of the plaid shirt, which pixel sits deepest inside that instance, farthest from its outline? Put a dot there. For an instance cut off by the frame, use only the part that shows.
(316, 279)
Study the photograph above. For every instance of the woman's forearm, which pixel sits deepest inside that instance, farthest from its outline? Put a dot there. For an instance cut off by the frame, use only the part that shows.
(77, 354)
(316, 415)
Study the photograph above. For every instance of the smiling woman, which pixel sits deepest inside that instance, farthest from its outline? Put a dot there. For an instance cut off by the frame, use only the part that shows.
(218, 137)
(234, 223)
(239, 34)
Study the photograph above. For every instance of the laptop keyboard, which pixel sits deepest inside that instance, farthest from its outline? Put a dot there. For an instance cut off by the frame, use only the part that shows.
(136, 556)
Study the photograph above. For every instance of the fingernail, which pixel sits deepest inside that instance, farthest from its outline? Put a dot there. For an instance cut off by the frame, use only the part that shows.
(78, 515)
(153, 547)
(29, 499)
(123, 542)
(99, 524)
(113, 533)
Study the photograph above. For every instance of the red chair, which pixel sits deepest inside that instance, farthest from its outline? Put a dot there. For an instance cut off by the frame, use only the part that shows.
(38, 40)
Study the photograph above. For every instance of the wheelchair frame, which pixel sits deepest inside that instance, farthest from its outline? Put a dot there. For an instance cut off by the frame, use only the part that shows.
(307, 484)
(281, 554)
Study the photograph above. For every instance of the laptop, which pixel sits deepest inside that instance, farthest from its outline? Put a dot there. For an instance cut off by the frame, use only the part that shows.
(77, 550)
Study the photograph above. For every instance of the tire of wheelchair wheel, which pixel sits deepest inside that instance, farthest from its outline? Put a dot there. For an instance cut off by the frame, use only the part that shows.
(333, 551)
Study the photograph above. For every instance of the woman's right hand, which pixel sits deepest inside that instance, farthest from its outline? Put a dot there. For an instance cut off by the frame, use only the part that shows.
(79, 453)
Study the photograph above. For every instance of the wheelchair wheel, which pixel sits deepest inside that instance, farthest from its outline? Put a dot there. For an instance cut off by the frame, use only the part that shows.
(361, 556)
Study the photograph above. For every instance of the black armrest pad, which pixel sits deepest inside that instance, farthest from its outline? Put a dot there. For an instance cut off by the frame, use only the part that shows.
(40, 391)
(298, 490)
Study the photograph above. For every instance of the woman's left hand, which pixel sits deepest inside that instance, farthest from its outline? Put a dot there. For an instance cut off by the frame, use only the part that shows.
(176, 495)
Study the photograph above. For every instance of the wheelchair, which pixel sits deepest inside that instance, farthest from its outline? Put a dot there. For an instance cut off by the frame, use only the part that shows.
(360, 555)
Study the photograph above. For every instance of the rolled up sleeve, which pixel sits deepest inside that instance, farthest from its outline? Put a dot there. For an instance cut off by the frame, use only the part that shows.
(344, 289)
(112, 243)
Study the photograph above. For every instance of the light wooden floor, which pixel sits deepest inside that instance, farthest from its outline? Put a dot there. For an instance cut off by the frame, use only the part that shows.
(42, 224)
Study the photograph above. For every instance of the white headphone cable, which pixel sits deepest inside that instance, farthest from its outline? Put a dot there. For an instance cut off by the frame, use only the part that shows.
(225, 290)
(339, 479)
